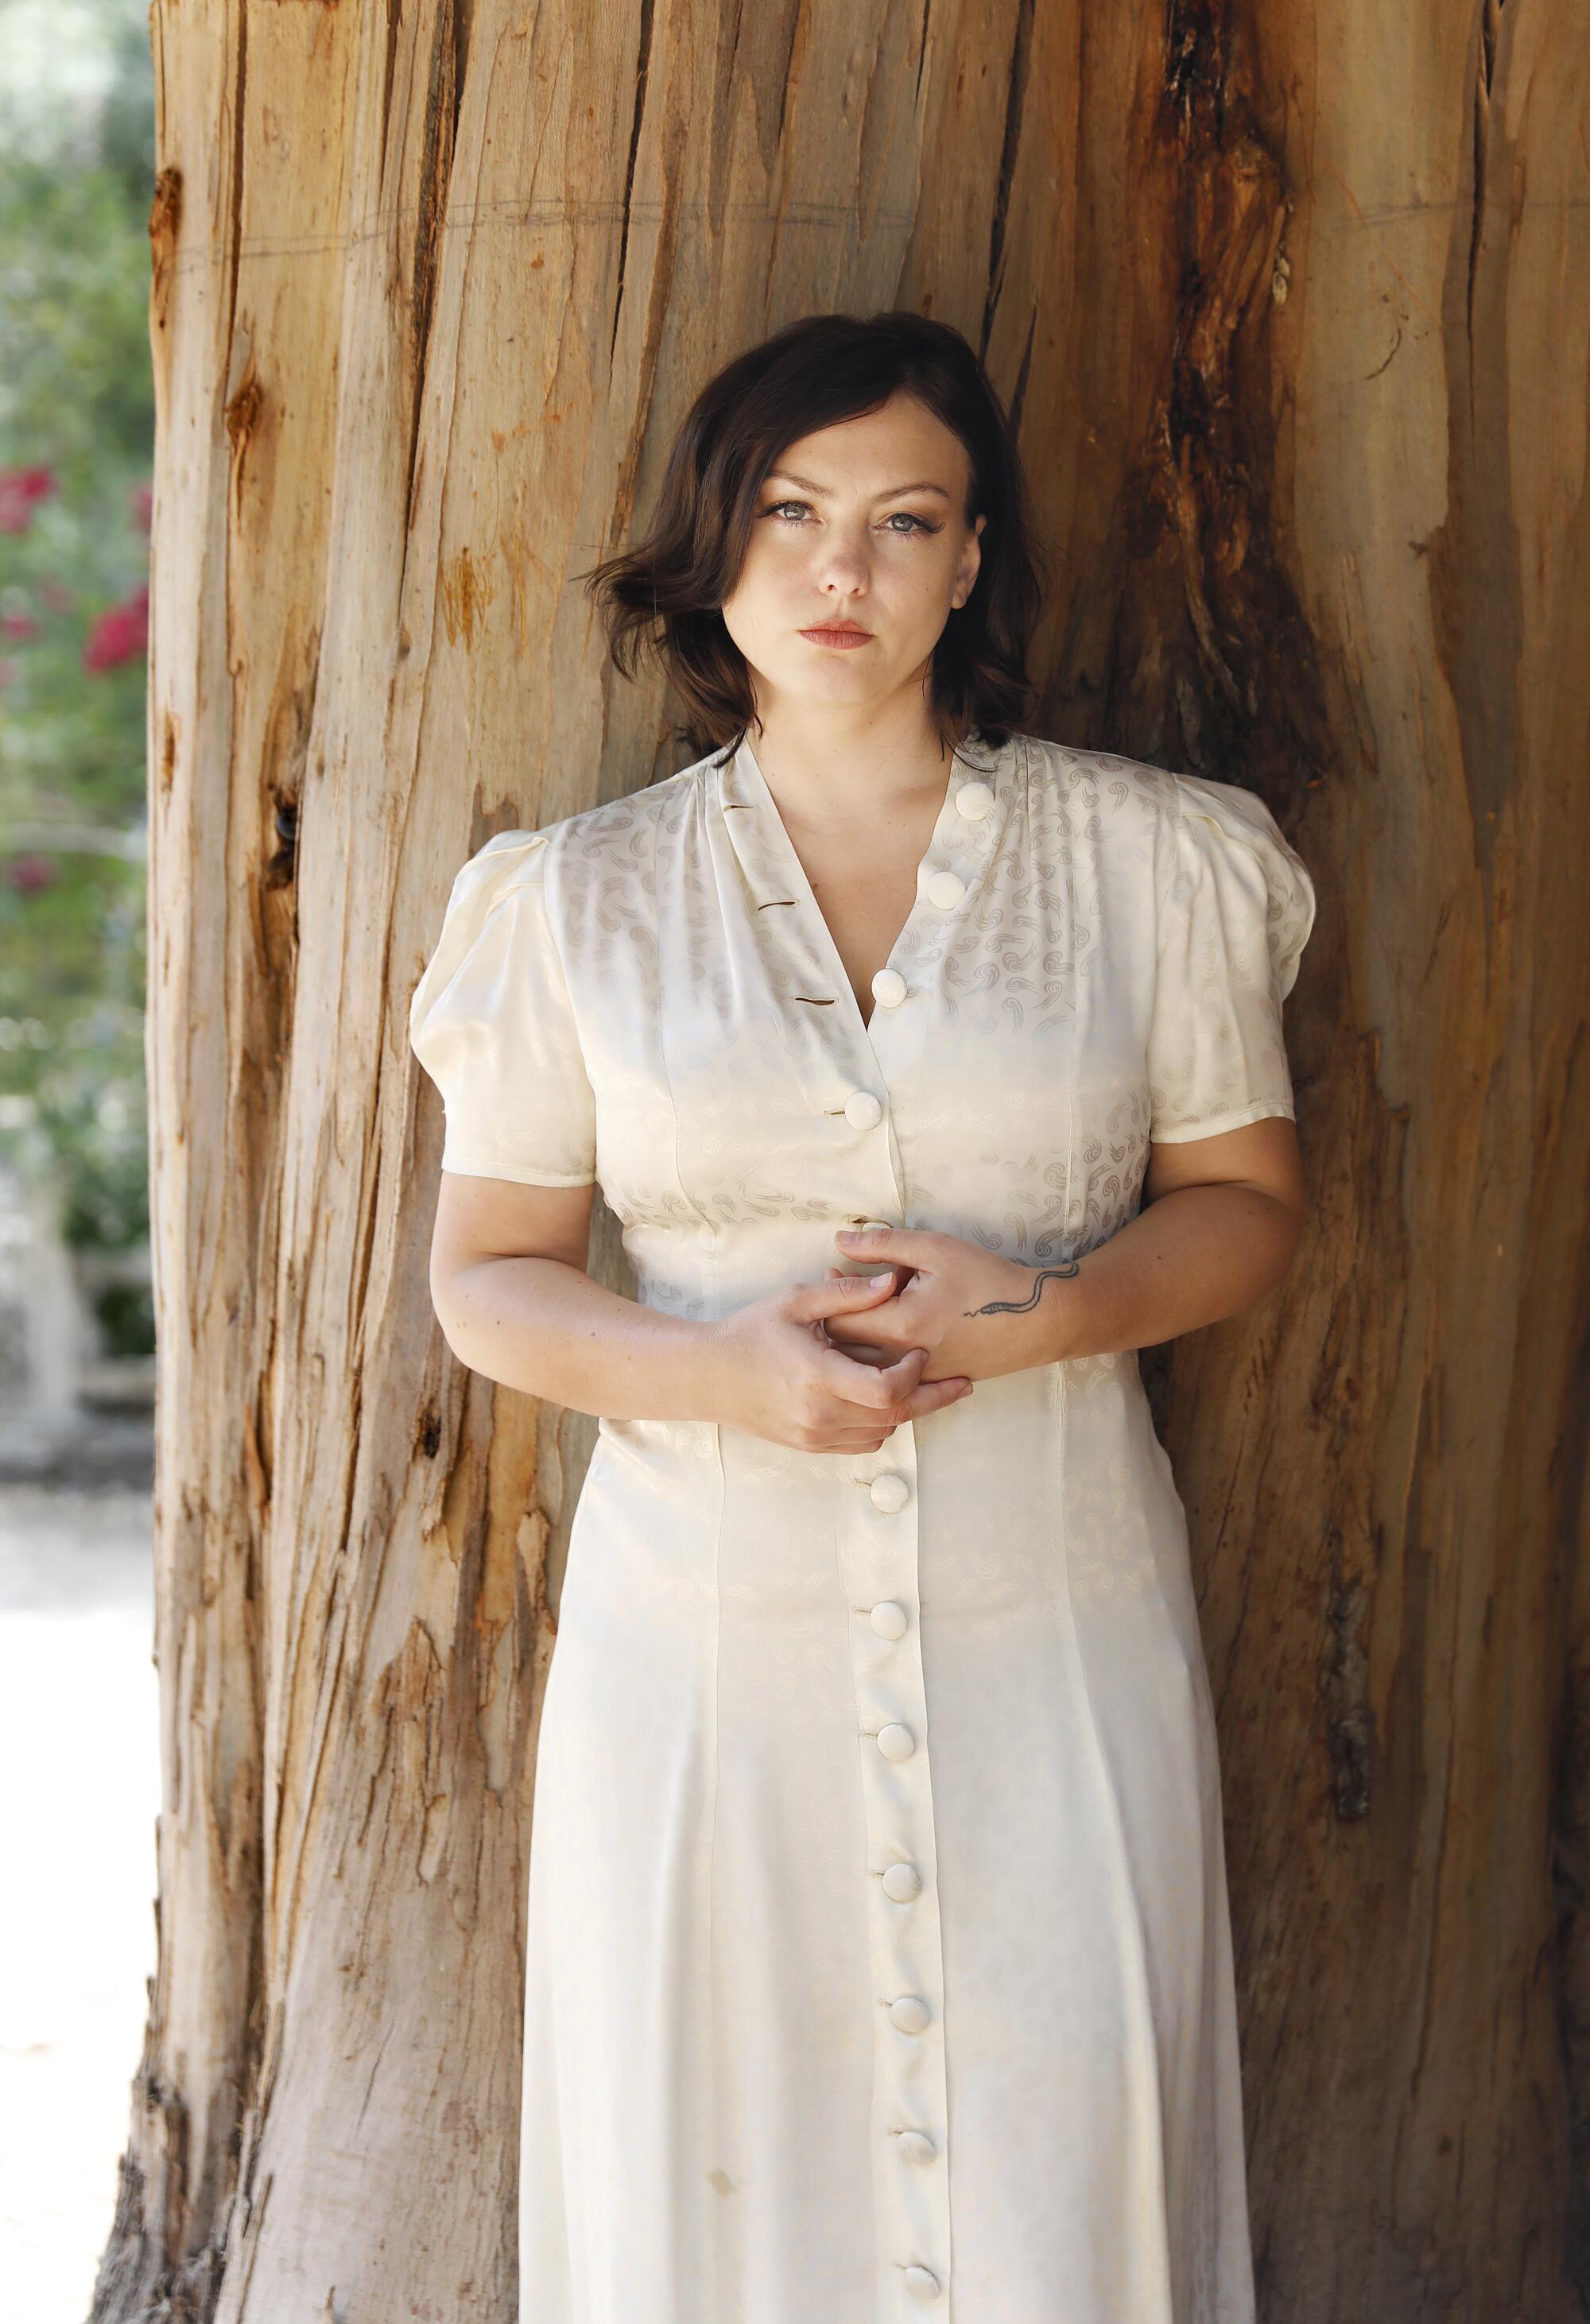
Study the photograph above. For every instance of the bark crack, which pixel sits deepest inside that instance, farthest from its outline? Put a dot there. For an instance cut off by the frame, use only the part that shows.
(1015, 106)
(439, 142)
(643, 68)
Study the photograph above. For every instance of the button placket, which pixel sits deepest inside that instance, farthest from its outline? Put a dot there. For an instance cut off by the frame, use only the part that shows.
(878, 1547)
(863, 1061)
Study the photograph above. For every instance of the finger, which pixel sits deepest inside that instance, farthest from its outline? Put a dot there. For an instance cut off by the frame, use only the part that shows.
(904, 1245)
(932, 1396)
(873, 1327)
(853, 1383)
(809, 1302)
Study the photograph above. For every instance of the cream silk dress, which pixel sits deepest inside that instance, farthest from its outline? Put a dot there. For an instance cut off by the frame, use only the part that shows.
(879, 1959)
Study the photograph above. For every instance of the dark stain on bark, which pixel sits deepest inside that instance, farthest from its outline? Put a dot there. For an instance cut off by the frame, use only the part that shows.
(1350, 1716)
(1475, 588)
(1570, 1897)
(135, 2279)
(1213, 666)
(281, 867)
(1568, 1483)
(165, 223)
(171, 731)
(244, 417)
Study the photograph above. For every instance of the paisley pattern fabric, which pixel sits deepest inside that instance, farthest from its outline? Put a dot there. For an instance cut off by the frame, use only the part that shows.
(879, 1959)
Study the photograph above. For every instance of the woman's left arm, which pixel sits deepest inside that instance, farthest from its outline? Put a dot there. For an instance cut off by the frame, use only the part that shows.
(1221, 1218)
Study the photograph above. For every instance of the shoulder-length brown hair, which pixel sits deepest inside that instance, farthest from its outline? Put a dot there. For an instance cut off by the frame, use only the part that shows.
(662, 597)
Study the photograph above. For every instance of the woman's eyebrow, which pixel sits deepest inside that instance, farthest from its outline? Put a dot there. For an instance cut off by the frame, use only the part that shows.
(787, 477)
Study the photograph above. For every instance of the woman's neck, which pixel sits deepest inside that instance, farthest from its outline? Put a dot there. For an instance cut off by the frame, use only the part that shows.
(828, 772)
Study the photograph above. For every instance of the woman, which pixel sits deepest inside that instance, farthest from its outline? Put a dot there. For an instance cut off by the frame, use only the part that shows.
(878, 1952)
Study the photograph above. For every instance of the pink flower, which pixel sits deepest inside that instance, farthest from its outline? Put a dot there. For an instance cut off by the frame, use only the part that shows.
(140, 501)
(120, 634)
(18, 625)
(28, 874)
(19, 489)
(56, 599)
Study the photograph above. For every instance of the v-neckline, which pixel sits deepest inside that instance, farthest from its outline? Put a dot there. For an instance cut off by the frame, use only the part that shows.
(768, 807)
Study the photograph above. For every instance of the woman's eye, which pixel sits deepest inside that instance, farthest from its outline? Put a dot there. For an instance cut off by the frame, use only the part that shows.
(902, 522)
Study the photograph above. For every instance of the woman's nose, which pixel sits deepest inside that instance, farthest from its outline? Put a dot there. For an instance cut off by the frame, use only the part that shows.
(844, 566)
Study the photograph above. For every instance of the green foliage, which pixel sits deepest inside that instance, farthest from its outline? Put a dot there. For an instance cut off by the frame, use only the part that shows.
(77, 416)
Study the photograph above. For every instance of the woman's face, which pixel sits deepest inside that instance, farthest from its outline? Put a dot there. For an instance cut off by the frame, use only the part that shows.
(860, 527)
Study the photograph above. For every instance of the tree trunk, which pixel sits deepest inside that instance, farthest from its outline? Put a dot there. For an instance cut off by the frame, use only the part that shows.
(1293, 307)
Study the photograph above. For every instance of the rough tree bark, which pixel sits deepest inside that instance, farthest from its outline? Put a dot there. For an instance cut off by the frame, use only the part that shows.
(1293, 303)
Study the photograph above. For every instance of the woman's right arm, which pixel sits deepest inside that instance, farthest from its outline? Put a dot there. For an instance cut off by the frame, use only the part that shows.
(509, 1285)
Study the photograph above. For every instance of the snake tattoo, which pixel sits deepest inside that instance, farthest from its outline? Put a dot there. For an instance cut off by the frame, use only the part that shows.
(1020, 1306)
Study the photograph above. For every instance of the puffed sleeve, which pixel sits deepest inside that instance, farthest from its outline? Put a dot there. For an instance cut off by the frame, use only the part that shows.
(1234, 906)
(492, 1024)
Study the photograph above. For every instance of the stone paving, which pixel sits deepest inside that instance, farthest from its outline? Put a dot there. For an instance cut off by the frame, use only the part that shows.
(80, 1744)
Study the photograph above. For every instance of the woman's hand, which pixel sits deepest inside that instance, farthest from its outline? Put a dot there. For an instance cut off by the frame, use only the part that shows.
(777, 1374)
(978, 1315)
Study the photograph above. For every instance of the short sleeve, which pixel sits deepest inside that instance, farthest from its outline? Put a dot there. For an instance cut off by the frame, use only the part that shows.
(1233, 910)
(492, 1023)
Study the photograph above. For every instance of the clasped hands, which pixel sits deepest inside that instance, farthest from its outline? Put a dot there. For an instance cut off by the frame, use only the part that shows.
(974, 1314)
(836, 1366)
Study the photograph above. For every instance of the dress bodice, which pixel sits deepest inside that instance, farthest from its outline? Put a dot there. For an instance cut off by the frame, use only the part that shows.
(646, 994)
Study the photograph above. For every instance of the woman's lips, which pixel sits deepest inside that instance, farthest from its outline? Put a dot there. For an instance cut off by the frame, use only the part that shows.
(839, 637)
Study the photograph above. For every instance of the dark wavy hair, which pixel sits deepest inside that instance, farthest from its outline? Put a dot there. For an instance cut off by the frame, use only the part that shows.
(662, 598)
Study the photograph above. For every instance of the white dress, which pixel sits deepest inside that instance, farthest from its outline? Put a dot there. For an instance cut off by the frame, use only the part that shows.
(879, 1959)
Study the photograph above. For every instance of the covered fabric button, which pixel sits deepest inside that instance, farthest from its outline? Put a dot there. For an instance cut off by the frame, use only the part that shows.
(974, 801)
(909, 2013)
(862, 1111)
(896, 1742)
(921, 2283)
(888, 1620)
(946, 888)
(889, 988)
(889, 1493)
(917, 2147)
(903, 1882)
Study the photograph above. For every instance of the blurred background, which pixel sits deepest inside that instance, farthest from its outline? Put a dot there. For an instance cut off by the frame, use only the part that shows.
(77, 1364)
